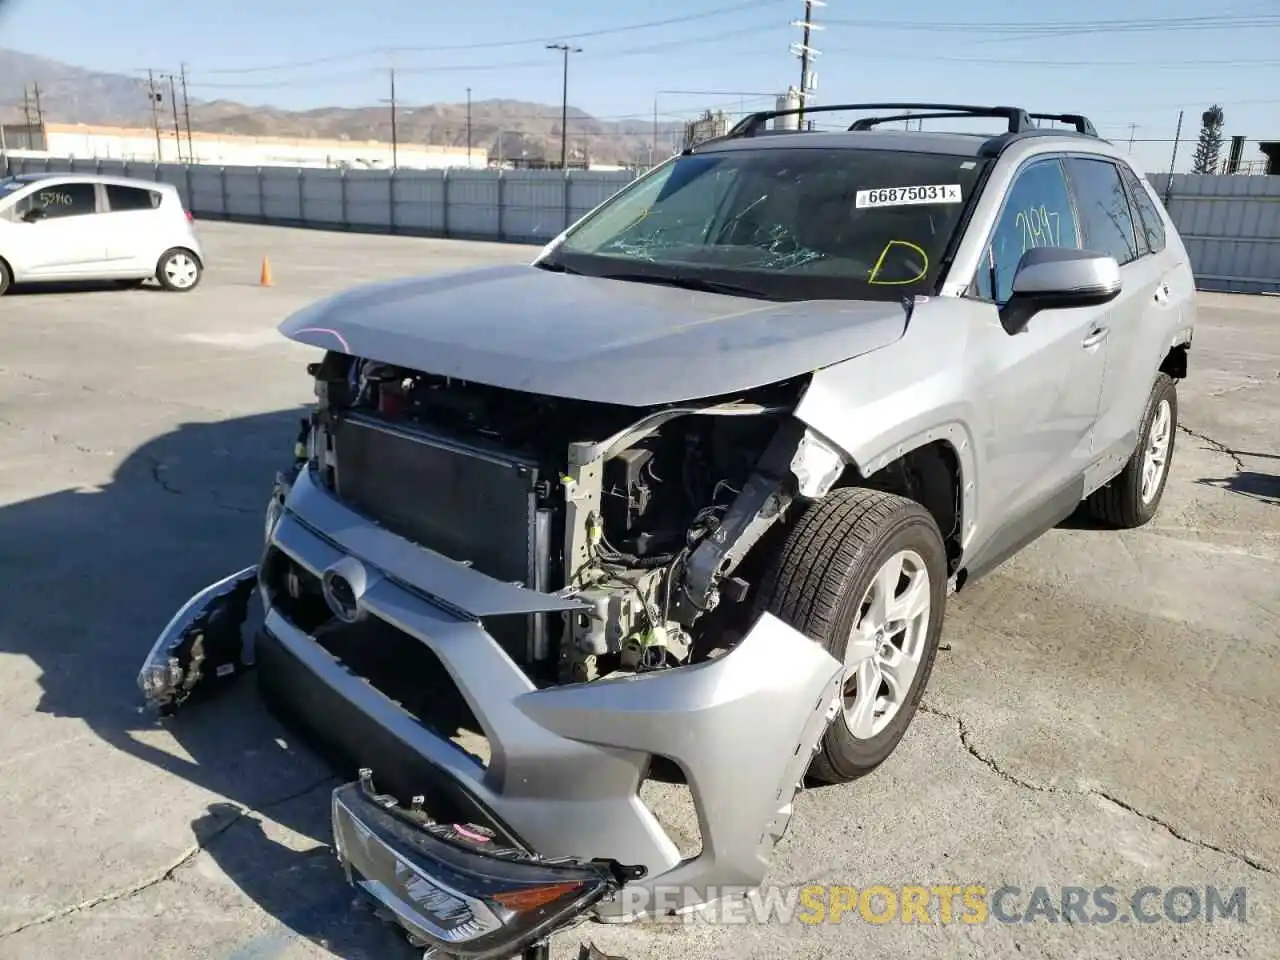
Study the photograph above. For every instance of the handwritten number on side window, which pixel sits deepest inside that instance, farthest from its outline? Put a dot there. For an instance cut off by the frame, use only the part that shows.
(1039, 227)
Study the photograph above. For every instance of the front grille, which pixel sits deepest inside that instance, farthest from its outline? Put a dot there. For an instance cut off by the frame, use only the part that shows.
(471, 504)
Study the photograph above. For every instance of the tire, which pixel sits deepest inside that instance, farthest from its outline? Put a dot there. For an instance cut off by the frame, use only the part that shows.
(179, 270)
(6, 278)
(1122, 503)
(819, 582)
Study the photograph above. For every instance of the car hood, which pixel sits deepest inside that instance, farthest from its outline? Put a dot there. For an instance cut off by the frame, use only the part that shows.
(588, 338)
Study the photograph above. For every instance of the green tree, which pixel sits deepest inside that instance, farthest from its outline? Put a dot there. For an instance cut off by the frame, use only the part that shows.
(1209, 147)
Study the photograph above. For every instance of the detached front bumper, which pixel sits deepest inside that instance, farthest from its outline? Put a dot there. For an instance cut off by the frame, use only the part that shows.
(567, 762)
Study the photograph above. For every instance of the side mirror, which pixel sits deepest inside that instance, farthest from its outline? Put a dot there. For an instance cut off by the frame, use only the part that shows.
(1050, 278)
(35, 214)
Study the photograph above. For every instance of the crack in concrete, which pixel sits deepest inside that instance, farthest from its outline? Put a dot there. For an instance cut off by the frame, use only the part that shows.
(1216, 394)
(56, 439)
(158, 468)
(167, 873)
(994, 766)
(1215, 445)
(157, 474)
(122, 394)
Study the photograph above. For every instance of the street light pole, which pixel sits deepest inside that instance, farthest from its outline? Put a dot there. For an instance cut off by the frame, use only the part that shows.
(564, 101)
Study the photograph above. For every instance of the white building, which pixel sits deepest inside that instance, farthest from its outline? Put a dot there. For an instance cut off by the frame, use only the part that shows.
(82, 141)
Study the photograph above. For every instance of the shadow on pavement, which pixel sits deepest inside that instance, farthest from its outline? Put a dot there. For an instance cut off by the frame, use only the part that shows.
(1264, 487)
(81, 286)
(87, 581)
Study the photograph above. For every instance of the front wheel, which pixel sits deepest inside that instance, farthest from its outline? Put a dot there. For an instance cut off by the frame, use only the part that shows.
(179, 270)
(864, 574)
(6, 278)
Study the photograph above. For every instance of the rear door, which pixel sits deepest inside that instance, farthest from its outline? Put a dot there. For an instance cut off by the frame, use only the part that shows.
(1111, 225)
(134, 225)
(59, 231)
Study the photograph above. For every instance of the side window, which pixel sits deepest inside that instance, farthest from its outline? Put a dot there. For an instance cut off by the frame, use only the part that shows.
(1105, 217)
(1151, 224)
(1037, 213)
(61, 200)
(121, 199)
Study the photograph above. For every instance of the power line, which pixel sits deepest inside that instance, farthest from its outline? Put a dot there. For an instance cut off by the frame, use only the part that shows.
(1165, 64)
(603, 56)
(1065, 27)
(734, 8)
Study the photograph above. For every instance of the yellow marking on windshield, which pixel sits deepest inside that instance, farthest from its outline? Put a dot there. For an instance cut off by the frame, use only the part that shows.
(871, 277)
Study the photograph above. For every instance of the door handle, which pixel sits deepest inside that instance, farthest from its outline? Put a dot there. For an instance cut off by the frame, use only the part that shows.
(1162, 293)
(1095, 338)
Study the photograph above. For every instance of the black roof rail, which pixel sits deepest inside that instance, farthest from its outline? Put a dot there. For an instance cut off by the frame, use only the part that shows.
(1018, 119)
(866, 123)
(1081, 123)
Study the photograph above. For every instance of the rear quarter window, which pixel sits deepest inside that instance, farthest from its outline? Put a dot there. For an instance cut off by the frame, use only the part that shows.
(1150, 223)
(121, 199)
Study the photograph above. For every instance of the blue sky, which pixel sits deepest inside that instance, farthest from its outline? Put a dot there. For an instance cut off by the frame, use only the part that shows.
(1163, 55)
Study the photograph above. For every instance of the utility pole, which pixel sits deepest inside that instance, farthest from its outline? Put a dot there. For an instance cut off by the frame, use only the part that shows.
(468, 127)
(1132, 128)
(186, 113)
(26, 108)
(806, 53)
(1173, 161)
(39, 109)
(155, 114)
(395, 148)
(173, 103)
(564, 101)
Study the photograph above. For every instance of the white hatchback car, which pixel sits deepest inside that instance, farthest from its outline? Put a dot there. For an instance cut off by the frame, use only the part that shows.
(56, 227)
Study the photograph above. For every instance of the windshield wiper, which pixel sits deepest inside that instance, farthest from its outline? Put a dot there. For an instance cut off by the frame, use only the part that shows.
(555, 266)
(690, 283)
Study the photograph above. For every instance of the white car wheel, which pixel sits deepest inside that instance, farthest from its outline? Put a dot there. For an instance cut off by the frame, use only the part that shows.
(179, 270)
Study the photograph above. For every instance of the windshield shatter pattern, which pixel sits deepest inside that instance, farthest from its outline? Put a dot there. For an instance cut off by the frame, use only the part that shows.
(791, 224)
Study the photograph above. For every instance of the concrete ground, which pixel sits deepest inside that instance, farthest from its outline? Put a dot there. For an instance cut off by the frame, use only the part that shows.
(1106, 711)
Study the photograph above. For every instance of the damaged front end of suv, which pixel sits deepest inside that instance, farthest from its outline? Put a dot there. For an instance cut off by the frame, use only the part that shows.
(579, 574)
(538, 540)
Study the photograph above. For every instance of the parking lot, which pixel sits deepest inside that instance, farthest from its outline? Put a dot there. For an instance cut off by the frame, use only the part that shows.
(1106, 710)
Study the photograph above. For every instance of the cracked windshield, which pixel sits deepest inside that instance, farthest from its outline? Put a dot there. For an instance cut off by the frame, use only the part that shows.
(788, 223)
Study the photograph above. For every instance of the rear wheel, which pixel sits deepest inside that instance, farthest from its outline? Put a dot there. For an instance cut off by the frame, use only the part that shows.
(6, 278)
(864, 574)
(179, 270)
(1133, 497)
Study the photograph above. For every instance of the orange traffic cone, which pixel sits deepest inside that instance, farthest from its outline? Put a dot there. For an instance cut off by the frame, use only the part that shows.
(265, 279)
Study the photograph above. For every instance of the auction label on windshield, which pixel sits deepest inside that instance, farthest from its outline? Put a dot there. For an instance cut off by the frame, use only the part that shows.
(906, 196)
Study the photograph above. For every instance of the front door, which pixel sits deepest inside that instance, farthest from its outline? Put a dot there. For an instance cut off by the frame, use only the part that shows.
(1042, 384)
(57, 231)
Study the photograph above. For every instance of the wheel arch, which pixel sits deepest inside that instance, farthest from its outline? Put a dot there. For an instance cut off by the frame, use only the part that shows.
(935, 467)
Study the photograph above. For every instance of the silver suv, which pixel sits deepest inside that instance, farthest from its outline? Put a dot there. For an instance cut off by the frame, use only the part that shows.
(690, 491)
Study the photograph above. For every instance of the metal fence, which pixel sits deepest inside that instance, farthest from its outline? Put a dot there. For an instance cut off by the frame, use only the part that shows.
(1230, 224)
(513, 205)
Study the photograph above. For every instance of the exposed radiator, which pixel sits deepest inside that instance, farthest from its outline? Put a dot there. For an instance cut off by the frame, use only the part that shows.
(469, 503)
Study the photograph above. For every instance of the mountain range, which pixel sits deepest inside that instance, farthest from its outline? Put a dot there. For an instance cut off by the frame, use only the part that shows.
(69, 94)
